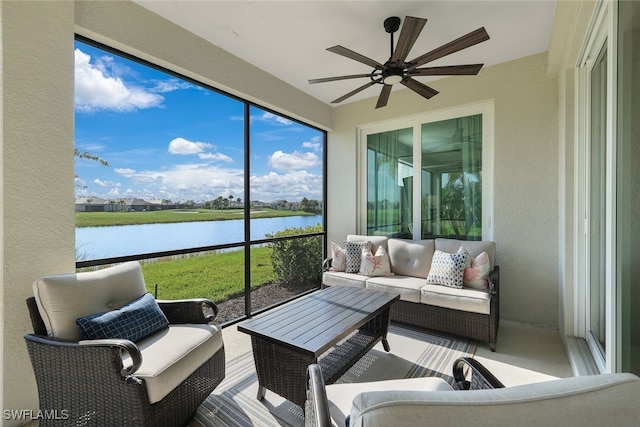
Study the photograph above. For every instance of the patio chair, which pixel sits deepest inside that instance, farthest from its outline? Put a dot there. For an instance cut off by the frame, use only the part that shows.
(105, 352)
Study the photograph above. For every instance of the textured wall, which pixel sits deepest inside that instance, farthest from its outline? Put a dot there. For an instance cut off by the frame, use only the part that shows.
(37, 172)
(525, 173)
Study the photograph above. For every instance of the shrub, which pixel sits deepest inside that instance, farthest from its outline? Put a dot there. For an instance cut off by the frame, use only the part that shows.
(297, 261)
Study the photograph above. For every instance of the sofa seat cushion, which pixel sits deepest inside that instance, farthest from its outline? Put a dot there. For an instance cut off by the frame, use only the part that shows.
(340, 396)
(465, 299)
(171, 355)
(410, 257)
(333, 278)
(592, 400)
(409, 288)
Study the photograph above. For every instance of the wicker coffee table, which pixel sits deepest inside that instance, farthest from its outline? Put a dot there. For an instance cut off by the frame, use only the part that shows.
(333, 327)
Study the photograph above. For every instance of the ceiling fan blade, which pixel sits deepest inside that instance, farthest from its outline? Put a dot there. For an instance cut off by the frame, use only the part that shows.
(384, 96)
(411, 29)
(353, 92)
(419, 88)
(333, 79)
(468, 40)
(453, 70)
(340, 50)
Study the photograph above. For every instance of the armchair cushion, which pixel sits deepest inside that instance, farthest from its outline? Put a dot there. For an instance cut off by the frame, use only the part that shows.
(171, 355)
(134, 321)
(62, 299)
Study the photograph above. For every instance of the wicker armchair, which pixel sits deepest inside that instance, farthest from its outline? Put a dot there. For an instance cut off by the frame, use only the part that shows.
(109, 381)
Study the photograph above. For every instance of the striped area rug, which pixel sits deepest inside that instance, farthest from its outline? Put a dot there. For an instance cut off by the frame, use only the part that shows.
(414, 353)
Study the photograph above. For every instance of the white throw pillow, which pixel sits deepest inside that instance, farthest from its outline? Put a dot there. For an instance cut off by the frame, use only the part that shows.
(477, 275)
(375, 265)
(447, 269)
(338, 258)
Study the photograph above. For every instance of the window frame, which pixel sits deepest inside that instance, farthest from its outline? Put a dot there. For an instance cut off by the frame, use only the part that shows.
(486, 109)
(247, 242)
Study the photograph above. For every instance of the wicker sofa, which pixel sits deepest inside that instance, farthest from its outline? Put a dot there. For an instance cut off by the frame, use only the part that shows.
(157, 380)
(466, 311)
(480, 400)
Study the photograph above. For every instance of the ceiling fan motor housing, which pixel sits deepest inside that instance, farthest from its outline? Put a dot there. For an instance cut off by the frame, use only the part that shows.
(392, 75)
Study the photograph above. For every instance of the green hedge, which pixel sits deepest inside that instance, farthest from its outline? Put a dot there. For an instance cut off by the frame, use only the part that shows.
(297, 261)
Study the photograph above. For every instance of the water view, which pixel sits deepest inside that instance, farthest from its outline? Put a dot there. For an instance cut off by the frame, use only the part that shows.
(115, 241)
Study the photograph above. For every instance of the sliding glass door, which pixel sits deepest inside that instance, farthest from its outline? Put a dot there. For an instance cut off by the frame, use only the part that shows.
(597, 205)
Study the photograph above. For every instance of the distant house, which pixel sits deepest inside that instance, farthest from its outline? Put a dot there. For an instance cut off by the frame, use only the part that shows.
(90, 204)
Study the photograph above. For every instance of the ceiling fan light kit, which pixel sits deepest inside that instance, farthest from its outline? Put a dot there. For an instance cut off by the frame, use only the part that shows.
(398, 70)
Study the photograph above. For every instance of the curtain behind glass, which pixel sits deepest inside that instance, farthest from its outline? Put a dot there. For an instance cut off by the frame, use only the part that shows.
(472, 170)
(452, 178)
(388, 184)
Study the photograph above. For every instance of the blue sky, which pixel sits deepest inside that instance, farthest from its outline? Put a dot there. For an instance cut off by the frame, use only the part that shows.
(166, 138)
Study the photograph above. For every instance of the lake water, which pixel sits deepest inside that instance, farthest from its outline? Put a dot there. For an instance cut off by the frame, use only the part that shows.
(124, 240)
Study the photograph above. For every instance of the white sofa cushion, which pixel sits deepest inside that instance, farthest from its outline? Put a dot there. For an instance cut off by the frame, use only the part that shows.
(340, 396)
(410, 257)
(465, 299)
(62, 299)
(333, 278)
(408, 287)
(474, 248)
(593, 400)
(376, 241)
(171, 355)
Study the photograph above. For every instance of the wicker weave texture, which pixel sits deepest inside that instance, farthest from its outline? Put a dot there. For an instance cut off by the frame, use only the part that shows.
(84, 384)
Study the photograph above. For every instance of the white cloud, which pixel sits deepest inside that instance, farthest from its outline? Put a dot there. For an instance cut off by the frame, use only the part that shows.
(219, 157)
(273, 118)
(185, 147)
(291, 186)
(292, 161)
(96, 90)
(101, 183)
(314, 144)
(125, 171)
(163, 86)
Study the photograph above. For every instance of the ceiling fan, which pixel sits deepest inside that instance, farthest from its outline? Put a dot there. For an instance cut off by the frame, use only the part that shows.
(398, 70)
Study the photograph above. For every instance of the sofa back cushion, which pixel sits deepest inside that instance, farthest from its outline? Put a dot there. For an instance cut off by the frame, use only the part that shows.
(64, 298)
(474, 248)
(592, 400)
(376, 241)
(411, 257)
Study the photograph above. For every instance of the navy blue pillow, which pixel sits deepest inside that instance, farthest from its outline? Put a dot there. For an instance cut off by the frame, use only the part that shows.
(134, 321)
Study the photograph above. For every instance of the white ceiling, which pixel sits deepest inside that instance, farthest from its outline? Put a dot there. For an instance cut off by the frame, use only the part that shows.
(288, 39)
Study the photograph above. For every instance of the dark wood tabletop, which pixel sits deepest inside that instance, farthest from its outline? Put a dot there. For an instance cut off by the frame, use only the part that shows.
(314, 323)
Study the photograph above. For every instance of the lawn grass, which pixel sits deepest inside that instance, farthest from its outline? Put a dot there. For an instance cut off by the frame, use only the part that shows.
(216, 276)
(101, 219)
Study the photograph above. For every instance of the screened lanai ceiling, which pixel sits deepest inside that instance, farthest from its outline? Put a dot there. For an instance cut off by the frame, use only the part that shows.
(288, 39)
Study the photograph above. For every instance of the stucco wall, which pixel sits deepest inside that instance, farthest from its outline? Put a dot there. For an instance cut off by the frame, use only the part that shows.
(525, 174)
(37, 173)
(37, 151)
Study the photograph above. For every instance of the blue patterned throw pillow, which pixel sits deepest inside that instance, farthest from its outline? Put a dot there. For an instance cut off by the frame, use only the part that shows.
(134, 321)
